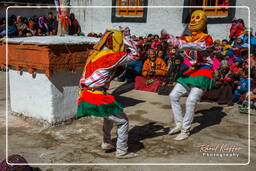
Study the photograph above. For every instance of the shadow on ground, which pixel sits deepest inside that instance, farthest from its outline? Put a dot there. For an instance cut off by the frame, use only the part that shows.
(210, 117)
(139, 133)
(125, 101)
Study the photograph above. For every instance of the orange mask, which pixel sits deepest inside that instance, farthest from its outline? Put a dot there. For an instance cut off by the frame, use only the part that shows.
(198, 21)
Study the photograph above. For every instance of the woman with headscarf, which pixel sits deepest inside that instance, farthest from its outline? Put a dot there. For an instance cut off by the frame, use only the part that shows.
(74, 25)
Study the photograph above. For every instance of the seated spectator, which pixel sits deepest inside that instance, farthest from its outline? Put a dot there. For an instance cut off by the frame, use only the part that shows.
(52, 22)
(53, 32)
(175, 70)
(42, 24)
(231, 57)
(32, 26)
(222, 88)
(169, 56)
(153, 66)
(23, 30)
(252, 60)
(153, 71)
(160, 54)
(216, 63)
(155, 42)
(141, 41)
(242, 86)
(40, 32)
(12, 30)
(217, 45)
(235, 66)
(75, 26)
(245, 36)
(249, 104)
(224, 61)
(225, 46)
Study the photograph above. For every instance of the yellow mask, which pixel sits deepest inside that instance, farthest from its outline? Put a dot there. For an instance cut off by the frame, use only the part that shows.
(117, 38)
(198, 21)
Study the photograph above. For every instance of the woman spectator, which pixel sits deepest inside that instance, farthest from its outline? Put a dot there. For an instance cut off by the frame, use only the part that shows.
(75, 26)
(155, 42)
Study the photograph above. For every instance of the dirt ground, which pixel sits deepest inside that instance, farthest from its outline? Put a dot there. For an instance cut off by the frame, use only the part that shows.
(78, 141)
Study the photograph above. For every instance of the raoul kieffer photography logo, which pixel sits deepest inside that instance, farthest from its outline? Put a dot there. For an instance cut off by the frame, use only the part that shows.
(219, 150)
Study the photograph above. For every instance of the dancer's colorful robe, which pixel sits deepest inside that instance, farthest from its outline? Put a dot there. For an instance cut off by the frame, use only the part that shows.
(99, 71)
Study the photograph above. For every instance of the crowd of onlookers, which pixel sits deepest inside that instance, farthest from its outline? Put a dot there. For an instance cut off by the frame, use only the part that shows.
(19, 26)
(162, 64)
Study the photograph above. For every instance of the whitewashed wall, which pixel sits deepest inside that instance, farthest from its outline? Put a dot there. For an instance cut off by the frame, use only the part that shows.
(99, 19)
(53, 100)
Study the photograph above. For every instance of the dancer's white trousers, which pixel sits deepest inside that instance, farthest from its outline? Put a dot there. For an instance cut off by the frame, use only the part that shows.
(121, 120)
(193, 97)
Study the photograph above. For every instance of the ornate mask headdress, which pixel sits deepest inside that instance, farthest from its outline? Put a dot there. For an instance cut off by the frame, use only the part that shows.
(198, 21)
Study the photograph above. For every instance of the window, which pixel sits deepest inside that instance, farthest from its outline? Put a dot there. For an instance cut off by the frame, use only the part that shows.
(129, 10)
(217, 13)
(217, 10)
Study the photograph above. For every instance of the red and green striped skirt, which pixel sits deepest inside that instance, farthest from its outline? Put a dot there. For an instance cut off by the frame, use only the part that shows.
(201, 77)
(97, 103)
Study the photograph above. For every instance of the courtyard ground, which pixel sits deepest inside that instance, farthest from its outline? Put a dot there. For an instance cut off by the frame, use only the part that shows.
(78, 140)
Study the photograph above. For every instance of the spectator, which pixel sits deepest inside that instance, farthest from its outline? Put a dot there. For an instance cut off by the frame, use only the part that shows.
(52, 23)
(23, 30)
(249, 104)
(155, 42)
(32, 26)
(75, 26)
(12, 30)
(175, 70)
(43, 25)
(223, 87)
(237, 29)
(153, 71)
(242, 86)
